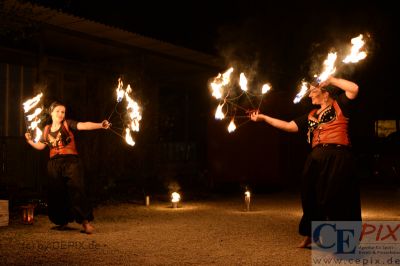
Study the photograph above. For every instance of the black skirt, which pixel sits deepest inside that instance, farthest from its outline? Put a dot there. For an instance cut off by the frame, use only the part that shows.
(330, 189)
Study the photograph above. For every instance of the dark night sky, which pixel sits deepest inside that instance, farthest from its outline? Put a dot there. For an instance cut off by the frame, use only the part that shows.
(278, 40)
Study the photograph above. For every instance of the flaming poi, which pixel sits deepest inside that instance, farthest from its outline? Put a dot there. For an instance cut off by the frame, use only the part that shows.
(355, 54)
(33, 120)
(330, 68)
(130, 117)
(226, 91)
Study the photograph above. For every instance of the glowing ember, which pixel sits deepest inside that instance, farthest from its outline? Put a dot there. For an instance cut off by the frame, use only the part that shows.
(243, 82)
(303, 91)
(355, 54)
(232, 126)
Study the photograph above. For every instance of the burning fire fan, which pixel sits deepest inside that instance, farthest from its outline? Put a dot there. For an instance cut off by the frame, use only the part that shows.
(33, 119)
(231, 96)
(330, 68)
(129, 116)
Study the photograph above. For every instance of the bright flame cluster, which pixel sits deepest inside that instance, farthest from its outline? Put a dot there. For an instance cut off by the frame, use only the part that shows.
(221, 87)
(133, 111)
(33, 119)
(355, 54)
(329, 67)
(175, 197)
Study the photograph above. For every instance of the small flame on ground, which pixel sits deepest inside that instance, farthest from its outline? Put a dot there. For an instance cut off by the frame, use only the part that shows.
(175, 197)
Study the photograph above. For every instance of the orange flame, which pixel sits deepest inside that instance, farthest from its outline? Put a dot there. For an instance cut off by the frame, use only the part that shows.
(265, 88)
(232, 126)
(329, 67)
(219, 82)
(133, 111)
(33, 117)
(120, 91)
(303, 91)
(29, 104)
(243, 82)
(355, 54)
(128, 137)
(218, 113)
(175, 197)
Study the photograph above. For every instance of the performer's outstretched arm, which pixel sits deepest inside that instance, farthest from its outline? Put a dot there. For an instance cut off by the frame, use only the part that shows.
(280, 124)
(91, 125)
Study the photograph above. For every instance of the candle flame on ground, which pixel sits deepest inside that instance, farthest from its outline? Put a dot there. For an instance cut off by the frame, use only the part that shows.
(175, 197)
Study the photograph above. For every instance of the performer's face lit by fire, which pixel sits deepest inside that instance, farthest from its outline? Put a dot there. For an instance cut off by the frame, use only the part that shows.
(58, 114)
(317, 95)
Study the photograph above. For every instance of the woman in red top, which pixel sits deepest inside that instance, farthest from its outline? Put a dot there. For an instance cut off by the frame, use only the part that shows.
(67, 201)
(329, 189)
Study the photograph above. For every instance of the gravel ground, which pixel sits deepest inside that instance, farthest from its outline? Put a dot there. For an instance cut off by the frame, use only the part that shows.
(216, 231)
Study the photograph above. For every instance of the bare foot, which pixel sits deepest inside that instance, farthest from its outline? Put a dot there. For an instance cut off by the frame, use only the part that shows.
(87, 228)
(305, 243)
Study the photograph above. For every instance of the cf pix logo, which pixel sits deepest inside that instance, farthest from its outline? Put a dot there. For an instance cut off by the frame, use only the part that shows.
(343, 237)
(332, 237)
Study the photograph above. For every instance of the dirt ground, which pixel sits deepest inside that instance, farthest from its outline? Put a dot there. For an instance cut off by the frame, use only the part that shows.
(216, 231)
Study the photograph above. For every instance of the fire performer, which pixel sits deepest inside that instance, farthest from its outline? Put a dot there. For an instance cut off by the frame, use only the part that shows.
(329, 189)
(67, 201)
